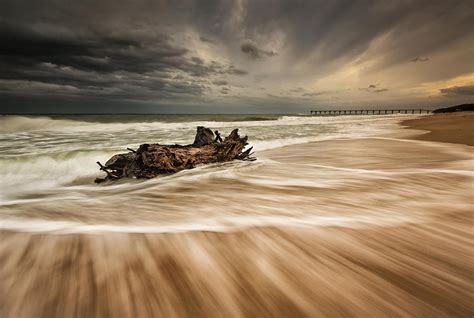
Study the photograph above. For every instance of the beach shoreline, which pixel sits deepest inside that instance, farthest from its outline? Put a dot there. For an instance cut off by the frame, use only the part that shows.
(391, 237)
(444, 127)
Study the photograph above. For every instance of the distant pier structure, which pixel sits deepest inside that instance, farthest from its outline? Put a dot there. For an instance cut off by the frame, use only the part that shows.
(369, 112)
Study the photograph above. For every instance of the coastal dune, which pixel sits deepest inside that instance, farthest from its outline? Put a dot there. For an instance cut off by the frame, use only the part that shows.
(373, 226)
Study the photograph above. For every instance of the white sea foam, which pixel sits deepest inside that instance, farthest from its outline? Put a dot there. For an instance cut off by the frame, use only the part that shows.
(228, 224)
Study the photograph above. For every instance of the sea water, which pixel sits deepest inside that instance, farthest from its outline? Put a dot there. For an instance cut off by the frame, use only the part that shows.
(48, 164)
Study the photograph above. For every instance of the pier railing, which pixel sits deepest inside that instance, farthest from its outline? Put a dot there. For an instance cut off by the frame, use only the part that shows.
(368, 112)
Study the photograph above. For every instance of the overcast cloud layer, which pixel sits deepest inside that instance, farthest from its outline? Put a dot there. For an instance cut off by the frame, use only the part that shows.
(233, 56)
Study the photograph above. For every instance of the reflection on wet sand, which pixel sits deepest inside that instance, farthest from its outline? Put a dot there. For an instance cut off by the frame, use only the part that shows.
(374, 226)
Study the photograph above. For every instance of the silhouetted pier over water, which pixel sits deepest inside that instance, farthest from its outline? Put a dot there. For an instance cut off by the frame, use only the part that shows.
(369, 112)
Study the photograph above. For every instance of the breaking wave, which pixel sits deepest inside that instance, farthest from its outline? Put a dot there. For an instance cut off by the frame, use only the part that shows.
(11, 124)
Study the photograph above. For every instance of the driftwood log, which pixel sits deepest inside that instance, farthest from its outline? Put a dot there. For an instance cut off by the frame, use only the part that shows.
(151, 160)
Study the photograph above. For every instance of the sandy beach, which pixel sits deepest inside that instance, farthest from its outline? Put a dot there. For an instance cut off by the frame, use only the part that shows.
(447, 127)
(393, 238)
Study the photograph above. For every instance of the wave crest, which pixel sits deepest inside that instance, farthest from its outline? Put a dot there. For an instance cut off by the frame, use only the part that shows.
(14, 123)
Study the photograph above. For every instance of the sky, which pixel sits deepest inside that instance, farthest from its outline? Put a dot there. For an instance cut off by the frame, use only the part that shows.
(255, 56)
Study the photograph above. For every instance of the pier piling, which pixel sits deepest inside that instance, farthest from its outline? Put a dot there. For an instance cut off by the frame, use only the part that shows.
(337, 112)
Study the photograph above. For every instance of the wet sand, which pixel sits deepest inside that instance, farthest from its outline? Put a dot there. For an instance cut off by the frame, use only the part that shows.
(406, 251)
(422, 270)
(448, 127)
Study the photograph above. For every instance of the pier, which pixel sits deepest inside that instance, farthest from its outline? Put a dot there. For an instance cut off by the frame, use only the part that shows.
(368, 112)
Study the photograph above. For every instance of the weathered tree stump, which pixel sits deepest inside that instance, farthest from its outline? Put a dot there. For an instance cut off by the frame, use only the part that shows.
(151, 160)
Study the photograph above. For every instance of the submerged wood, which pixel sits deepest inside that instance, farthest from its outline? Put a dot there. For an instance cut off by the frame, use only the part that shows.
(151, 160)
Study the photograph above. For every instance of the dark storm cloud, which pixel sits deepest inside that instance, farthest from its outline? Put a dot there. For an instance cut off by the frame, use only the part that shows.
(220, 82)
(236, 71)
(314, 94)
(296, 90)
(197, 60)
(420, 59)
(344, 29)
(98, 49)
(102, 53)
(372, 88)
(457, 91)
(206, 39)
(250, 49)
(150, 50)
(122, 66)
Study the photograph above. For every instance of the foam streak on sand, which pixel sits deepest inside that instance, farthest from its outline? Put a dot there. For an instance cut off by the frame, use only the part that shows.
(353, 226)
